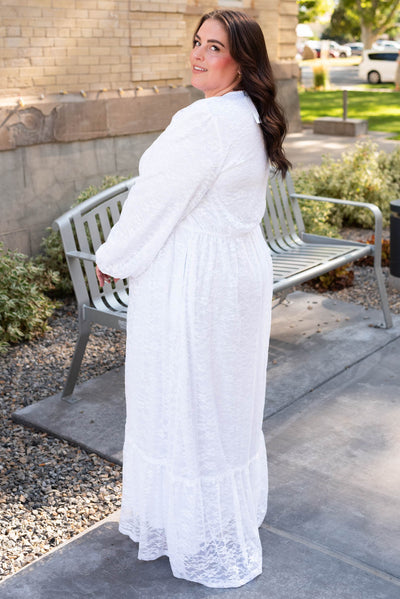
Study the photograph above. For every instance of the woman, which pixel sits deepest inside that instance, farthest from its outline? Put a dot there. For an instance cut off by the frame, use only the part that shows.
(195, 470)
(397, 74)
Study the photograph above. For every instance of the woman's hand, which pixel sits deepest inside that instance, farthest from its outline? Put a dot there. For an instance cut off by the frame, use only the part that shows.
(103, 278)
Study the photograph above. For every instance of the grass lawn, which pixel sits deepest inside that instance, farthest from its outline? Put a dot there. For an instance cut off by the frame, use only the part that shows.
(382, 109)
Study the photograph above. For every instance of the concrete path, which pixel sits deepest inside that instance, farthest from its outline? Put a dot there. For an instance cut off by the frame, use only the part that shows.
(306, 148)
(332, 419)
(306, 327)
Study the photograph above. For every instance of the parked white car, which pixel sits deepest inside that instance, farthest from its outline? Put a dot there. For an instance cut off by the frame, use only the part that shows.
(356, 48)
(334, 49)
(316, 46)
(343, 51)
(386, 45)
(378, 66)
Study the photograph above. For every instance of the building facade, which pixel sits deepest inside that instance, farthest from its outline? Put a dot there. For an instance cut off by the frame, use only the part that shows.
(86, 85)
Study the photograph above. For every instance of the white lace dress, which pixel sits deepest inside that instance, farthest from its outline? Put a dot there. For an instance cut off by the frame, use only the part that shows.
(194, 463)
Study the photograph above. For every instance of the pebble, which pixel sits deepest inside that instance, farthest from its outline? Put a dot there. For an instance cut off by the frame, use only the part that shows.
(364, 290)
(50, 490)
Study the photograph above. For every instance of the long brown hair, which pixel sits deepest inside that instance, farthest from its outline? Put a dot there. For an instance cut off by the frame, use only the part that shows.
(247, 47)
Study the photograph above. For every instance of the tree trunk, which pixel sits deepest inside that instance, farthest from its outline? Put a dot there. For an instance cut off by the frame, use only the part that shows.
(368, 36)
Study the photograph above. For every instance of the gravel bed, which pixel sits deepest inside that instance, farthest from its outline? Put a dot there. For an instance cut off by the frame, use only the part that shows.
(51, 490)
(364, 290)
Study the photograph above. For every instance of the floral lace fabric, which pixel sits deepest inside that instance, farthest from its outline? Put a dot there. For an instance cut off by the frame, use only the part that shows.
(208, 527)
(195, 470)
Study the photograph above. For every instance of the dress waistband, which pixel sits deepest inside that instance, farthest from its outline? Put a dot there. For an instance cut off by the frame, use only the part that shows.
(222, 234)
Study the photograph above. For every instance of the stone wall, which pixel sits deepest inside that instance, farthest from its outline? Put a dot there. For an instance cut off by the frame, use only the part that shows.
(38, 183)
(60, 148)
(54, 45)
(86, 85)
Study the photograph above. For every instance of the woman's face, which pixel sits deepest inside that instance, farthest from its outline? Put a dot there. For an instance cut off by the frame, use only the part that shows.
(213, 69)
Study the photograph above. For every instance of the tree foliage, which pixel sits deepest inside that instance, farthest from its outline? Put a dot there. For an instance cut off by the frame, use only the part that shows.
(376, 16)
(345, 23)
(367, 19)
(311, 10)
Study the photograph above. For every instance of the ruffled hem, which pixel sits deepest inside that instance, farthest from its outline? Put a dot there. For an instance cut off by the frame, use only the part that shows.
(226, 584)
(207, 526)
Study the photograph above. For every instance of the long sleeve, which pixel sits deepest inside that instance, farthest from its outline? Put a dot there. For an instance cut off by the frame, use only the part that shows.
(175, 174)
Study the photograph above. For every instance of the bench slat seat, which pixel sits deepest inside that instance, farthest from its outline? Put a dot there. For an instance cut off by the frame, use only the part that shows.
(297, 256)
(304, 261)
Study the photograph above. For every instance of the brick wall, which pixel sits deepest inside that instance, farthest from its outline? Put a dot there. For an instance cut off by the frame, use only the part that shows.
(288, 19)
(130, 59)
(53, 46)
(158, 33)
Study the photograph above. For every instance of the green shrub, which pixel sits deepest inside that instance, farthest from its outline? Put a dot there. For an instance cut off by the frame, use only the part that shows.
(369, 260)
(363, 175)
(52, 256)
(24, 307)
(390, 165)
(321, 77)
(334, 280)
(316, 218)
(315, 214)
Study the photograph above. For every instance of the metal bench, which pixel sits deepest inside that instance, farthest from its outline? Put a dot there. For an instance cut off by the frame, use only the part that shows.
(297, 256)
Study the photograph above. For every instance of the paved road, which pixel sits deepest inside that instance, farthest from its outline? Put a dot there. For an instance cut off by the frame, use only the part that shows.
(343, 77)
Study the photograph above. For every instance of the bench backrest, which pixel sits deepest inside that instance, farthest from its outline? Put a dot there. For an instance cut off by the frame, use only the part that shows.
(83, 229)
(282, 223)
(87, 225)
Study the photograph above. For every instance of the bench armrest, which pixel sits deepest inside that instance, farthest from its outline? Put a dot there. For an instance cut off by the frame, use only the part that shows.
(81, 256)
(374, 209)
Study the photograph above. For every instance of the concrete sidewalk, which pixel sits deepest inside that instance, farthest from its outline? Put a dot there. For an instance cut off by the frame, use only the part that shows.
(332, 419)
(306, 148)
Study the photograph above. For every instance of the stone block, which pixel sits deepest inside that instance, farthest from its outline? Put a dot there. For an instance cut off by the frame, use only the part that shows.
(80, 121)
(147, 113)
(129, 149)
(6, 140)
(12, 188)
(285, 70)
(31, 126)
(289, 8)
(103, 156)
(288, 98)
(40, 182)
(335, 126)
(18, 239)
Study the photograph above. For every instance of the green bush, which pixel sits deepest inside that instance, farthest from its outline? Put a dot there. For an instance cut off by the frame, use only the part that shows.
(52, 255)
(315, 214)
(334, 280)
(316, 218)
(321, 77)
(24, 307)
(52, 258)
(362, 174)
(385, 253)
(390, 165)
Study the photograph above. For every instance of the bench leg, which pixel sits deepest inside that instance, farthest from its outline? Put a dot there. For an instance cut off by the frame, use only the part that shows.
(76, 361)
(384, 298)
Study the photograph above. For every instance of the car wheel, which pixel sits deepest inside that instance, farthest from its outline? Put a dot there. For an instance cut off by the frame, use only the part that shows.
(343, 55)
(374, 77)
